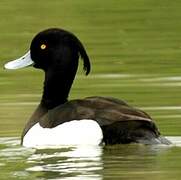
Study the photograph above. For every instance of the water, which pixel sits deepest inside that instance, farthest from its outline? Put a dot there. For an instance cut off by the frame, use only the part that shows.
(95, 162)
(90, 162)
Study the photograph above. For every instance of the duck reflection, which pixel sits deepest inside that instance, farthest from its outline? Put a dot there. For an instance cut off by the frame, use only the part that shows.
(81, 162)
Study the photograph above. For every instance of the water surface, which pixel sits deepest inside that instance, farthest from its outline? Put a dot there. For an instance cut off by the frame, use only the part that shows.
(90, 162)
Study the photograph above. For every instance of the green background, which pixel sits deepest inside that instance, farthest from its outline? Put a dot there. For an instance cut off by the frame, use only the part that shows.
(134, 47)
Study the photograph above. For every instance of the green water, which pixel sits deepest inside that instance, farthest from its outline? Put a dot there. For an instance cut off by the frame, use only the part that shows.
(135, 49)
(90, 162)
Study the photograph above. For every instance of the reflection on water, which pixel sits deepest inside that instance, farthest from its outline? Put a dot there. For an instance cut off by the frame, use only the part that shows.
(79, 162)
(90, 162)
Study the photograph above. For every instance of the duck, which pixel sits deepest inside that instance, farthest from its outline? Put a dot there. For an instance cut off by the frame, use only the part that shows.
(92, 120)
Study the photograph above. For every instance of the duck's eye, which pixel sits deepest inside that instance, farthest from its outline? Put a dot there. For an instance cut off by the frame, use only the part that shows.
(43, 46)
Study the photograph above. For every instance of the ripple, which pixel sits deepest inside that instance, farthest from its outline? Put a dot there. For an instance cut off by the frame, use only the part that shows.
(168, 116)
(162, 108)
(158, 79)
(13, 141)
(19, 104)
(176, 140)
(109, 76)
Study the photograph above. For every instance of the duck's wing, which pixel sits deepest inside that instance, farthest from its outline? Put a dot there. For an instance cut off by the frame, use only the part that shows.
(104, 110)
(120, 123)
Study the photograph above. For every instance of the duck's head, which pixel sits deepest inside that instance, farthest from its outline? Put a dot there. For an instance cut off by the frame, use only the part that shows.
(53, 48)
(57, 52)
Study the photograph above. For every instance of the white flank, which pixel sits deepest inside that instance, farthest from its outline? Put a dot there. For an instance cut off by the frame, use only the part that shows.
(83, 132)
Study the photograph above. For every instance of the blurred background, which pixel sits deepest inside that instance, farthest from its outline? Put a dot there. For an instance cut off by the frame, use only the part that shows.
(134, 47)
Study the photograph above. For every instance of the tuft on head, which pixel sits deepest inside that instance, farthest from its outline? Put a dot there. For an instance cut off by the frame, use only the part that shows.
(84, 56)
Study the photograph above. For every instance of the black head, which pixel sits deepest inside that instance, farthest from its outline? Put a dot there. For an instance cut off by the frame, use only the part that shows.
(55, 48)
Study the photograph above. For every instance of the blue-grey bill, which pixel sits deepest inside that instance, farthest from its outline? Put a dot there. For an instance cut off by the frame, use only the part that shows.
(20, 62)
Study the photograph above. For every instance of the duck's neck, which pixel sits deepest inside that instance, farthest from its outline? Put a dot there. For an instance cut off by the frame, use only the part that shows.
(57, 85)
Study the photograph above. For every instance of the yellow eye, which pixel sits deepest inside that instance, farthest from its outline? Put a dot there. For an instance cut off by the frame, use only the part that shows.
(43, 46)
